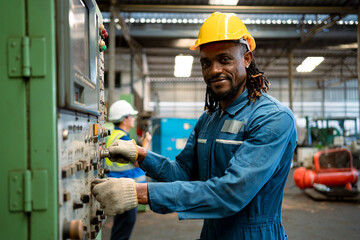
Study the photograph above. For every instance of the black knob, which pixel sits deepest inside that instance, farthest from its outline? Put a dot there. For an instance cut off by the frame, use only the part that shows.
(85, 198)
(94, 220)
(99, 212)
(77, 205)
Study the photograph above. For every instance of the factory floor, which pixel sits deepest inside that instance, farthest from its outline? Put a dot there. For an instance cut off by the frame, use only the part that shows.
(303, 218)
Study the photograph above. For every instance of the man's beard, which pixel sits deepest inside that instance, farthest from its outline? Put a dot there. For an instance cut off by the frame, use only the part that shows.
(226, 95)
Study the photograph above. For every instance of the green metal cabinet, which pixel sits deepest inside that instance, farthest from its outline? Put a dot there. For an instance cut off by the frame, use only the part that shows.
(28, 122)
(29, 89)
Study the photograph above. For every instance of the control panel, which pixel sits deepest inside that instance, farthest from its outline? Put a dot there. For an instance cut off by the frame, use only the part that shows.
(81, 114)
(81, 141)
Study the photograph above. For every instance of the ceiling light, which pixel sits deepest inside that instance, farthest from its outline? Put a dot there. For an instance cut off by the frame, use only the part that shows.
(184, 42)
(344, 46)
(309, 64)
(223, 2)
(183, 65)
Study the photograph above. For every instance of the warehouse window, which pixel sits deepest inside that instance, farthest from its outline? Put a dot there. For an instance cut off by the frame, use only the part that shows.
(117, 80)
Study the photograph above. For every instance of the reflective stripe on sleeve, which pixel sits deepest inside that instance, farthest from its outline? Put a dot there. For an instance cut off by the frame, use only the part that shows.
(229, 141)
(201, 140)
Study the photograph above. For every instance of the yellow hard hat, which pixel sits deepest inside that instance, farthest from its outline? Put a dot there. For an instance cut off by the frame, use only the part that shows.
(223, 26)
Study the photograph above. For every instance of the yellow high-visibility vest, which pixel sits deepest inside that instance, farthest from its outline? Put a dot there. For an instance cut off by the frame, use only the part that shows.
(113, 166)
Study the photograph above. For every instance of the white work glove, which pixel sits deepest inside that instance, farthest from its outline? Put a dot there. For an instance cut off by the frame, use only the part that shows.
(116, 195)
(122, 151)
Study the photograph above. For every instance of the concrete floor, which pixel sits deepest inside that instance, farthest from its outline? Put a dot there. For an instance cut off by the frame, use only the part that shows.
(303, 218)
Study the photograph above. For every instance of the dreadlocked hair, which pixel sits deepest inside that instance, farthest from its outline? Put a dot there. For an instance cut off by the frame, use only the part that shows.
(256, 83)
(210, 103)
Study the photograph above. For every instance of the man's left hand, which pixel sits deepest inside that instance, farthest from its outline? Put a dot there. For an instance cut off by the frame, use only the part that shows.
(123, 151)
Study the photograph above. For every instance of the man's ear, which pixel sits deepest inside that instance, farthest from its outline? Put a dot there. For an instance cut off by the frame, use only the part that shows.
(248, 56)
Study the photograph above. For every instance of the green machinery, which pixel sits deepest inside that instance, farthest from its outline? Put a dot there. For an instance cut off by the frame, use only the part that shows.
(52, 124)
(320, 133)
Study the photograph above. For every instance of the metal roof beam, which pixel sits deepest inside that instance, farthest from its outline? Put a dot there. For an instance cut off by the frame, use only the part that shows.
(235, 9)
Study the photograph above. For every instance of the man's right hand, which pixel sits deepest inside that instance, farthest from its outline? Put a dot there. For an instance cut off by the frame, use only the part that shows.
(116, 195)
(122, 151)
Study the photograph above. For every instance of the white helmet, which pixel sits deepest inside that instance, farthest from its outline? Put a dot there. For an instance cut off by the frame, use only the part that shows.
(119, 110)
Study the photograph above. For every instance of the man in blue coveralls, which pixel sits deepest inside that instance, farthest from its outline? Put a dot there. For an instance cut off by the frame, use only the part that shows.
(234, 166)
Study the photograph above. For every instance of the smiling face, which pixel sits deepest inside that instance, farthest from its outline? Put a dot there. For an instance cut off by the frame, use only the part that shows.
(224, 70)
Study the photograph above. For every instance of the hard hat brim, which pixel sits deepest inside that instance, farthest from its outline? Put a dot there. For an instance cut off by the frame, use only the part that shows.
(250, 40)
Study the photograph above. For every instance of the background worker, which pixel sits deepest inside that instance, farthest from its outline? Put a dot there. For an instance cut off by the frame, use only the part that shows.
(122, 114)
(234, 166)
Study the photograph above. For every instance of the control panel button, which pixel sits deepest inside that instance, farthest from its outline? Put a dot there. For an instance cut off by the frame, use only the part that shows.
(65, 172)
(66, 196)
(95, 129)
(79, 166)
(87, 167)
(73, 168)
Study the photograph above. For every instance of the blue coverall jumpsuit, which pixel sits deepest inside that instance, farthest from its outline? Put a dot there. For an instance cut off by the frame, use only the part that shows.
(231, 172)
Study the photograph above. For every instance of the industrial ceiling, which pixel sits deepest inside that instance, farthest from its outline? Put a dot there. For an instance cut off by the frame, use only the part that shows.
(163, 29)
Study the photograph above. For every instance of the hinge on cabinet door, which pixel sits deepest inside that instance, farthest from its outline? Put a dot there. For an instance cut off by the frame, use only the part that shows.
(26, 57)
(28, 190)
